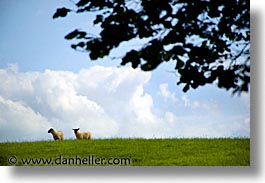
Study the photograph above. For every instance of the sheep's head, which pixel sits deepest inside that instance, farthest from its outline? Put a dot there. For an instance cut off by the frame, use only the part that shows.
(76, 129)
(50, 130)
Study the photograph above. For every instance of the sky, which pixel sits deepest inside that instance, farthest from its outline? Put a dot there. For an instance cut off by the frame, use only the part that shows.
(45, 83)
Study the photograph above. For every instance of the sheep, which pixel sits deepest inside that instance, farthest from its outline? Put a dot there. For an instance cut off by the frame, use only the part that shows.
(57, 135)
(82, 135)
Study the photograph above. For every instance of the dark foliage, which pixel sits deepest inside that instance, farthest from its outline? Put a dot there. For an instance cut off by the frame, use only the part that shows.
(209, 40)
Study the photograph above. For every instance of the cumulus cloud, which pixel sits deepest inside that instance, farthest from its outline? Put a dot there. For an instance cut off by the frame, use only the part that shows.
(109, 101)
(20, 122)
(105, 100)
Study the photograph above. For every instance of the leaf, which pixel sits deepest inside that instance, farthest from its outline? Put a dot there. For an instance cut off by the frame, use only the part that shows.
(75, 34)
(73, 46)
(61, 12)
(98, 19)
(186, 88)
(72, 34)
(179, 64)
(81, 44)
(146, 67)
(82, 2)
(167, 57)
(132, 57)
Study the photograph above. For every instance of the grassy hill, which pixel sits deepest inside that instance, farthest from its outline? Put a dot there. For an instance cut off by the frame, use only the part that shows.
(133, 152)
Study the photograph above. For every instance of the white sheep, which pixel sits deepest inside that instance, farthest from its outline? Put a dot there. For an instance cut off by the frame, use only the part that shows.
(57, 135)
(82, 135)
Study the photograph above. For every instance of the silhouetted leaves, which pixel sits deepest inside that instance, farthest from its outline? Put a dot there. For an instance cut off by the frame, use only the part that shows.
(61, 12)
(209, 41)
(132, 57)
(82, 3)
(75, 34)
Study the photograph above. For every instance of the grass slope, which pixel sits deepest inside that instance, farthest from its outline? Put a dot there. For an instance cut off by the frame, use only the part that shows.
(141, 152)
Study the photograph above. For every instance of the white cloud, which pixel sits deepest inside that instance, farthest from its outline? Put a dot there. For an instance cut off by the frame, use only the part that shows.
(141, 104)
(91, 99)
(185, 101)
(19, 122)
(166, 94)
(109, 101)
(188, 103)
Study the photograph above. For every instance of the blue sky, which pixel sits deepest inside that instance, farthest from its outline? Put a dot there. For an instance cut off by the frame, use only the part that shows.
(45, 83)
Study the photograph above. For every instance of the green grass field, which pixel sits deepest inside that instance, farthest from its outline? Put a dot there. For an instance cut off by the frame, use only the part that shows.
(133, 152)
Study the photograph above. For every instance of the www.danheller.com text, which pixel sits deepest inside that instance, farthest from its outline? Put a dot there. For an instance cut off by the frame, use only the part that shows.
(60, 160)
